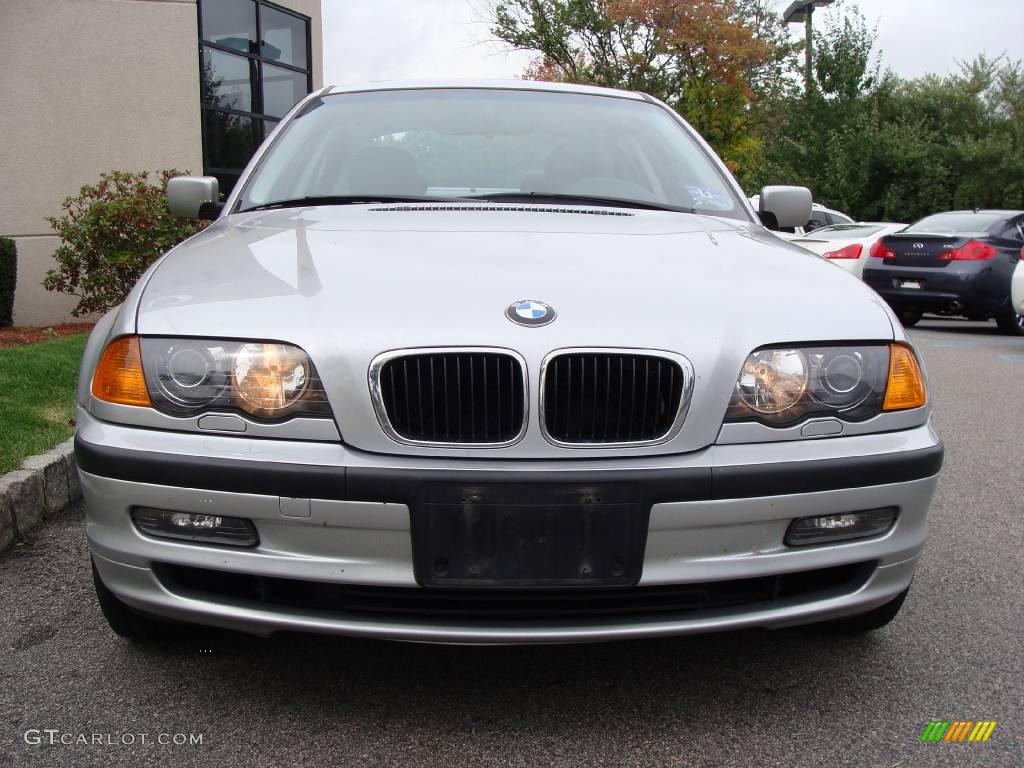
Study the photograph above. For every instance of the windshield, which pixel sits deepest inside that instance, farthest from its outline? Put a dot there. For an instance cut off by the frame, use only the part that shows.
(458, 143)
(845, 231)
(960, 223)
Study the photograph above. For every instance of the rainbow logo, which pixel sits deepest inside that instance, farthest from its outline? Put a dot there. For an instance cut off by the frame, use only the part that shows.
(958, 730)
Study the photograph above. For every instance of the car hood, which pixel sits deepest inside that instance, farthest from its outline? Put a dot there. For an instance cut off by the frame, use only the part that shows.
(348, 283)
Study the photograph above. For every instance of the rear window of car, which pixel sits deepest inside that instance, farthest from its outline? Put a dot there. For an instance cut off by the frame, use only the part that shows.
(962, 223)
(1014, 230)
(845, 231)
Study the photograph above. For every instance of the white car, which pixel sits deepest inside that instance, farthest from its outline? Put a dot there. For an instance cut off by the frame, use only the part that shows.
(1017, 285)
(824, 217)
(847, 245)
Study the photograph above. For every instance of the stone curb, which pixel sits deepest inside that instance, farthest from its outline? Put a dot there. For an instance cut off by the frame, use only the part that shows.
(41, 488)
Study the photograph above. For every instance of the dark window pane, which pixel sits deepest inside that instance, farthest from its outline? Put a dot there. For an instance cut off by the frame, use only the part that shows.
(230, 139)
(231, 23)
(284, 37)
(226, 81)
(226, 182)
(1013, 231)
(956, 223)
(282, 88)
(268, 126)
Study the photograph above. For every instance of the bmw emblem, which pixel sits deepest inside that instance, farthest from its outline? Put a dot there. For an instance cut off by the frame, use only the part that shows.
(530, 313)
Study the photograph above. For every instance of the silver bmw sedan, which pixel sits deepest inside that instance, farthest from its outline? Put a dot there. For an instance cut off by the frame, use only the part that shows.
(498, 363)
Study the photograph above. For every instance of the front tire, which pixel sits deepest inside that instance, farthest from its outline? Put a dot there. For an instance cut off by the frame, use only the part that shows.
(125, 620)
(910, 317)
(1010, 322)
(869, 621)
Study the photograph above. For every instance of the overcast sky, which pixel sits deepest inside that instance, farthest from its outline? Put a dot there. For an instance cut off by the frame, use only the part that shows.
(415, 39)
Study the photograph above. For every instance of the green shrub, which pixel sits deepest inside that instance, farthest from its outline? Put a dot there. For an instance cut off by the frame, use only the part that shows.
(110, 233)
(8, 280)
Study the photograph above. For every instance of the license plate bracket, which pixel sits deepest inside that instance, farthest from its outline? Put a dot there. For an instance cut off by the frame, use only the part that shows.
(511, 537)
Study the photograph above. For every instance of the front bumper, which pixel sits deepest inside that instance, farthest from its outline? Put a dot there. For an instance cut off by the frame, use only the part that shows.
(717, 517)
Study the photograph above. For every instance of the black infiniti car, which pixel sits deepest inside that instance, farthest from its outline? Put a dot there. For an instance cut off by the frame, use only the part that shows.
(956, 263)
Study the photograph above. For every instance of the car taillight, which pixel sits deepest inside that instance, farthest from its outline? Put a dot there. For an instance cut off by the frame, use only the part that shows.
(880, 251)
(849, 252)
(973, 251)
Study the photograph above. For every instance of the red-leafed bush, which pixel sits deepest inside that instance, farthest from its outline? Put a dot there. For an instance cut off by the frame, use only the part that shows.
(110, 233)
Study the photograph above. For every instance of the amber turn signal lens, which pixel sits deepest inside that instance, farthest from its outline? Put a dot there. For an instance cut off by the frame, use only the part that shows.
(119, 378)
(906, 382)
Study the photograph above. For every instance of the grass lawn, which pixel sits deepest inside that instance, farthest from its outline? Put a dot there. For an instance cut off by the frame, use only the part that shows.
(37, 397)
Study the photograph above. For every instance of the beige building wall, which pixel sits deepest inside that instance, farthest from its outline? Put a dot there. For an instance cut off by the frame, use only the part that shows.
(311, 8)
(88, 86)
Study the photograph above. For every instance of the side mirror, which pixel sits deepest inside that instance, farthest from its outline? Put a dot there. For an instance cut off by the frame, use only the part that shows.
(785, 206)
(194, 197)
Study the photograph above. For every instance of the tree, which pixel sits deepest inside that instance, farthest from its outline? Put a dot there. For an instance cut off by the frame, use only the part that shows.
(862, 139)
(973, 123)
(705, 58)
(821, 139)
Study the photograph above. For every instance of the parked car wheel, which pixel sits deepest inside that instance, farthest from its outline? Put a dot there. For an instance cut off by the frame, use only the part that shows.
(910, 317)
(867, 622)
(127, 622)
(1010, 322)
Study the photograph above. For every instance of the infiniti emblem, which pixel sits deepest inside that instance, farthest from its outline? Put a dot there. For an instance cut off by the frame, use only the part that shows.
(919, 246)
(530, 313)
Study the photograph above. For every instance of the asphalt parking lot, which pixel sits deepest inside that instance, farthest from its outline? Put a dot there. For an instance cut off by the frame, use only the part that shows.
(789, 698)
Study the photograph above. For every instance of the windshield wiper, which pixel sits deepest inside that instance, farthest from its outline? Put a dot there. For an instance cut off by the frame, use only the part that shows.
(507, 197)
(299, 202)
(553, 197)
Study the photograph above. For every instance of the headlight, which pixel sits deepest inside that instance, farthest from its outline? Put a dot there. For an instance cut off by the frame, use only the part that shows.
(264, 380)
(773, 381)
(784, 386)
(268, 378)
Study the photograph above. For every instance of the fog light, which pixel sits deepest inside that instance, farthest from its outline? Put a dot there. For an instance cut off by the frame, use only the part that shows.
(211, 529)
(825, 529)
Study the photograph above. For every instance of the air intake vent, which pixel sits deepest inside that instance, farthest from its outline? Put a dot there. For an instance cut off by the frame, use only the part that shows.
(450, 397)
(498, 208)
(614, 398)
(581, 607)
